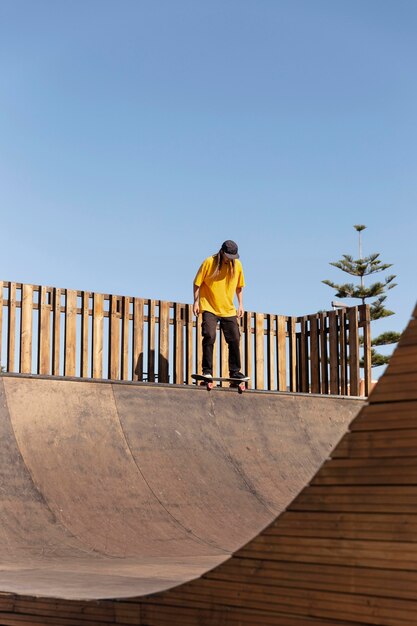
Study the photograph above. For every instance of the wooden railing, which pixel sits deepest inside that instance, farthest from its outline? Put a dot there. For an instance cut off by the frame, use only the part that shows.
(63, 332)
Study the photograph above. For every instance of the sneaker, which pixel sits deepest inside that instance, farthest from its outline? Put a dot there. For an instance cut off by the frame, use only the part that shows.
(237, 375)
(207, 375)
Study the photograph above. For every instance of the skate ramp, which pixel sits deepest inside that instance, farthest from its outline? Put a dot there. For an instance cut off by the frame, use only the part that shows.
(344, 553)
(112, 490)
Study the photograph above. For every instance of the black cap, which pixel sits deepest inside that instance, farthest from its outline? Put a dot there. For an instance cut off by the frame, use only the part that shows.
(229, 248)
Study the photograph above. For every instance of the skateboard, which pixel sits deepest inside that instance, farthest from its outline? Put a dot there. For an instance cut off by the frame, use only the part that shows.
(237, 383)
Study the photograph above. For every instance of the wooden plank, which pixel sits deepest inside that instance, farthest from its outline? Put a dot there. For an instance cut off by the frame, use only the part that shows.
(1, 323)
(334, 354)
(151, 341)
(409, 336)
(395, 387)
(70, 332)
(215, 354)
(371, 526)
(56, 332)
(224, 356)
(366, 325)
(392, 416)
(314, 354)
(178, 344)
(11, 329)
(259, 351)
(44, 334)
(115, 315)
(248, 343)
(189, 344)
(353, 351)
(26, 326)
(358, 498)
(138, 336)
(292, 353)
(271, 341)
(366, 471)
(85, 314)
(378, 444)
(241, 323)
(125, 338)
(97, 339)
(323, 353)
(163, 362)
(198, 345)
(304, 356)
(404, 361)
(275, 603)
(282, 351)
(343, 377)
(321, 576)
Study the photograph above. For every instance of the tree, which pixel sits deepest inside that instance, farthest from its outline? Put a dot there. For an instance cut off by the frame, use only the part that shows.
(361, 267)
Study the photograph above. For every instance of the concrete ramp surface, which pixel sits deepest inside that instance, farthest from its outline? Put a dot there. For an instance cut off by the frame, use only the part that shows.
(112, 490)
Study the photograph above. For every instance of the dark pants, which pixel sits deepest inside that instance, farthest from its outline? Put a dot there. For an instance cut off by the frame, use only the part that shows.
(231, 332)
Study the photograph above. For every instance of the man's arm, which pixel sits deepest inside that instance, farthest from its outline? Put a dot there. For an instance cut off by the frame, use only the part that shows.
(196, 305)
(239, 294)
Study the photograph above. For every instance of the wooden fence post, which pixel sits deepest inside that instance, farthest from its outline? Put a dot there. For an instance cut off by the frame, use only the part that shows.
(11, 328)
(282, 352)
(26, 324)
(293, 353)
(124, 374)
(151, 341)
(198, 345)
(98, 320)
(114, 337)
(56, 332)
(138, 336)
(189, 344)
(85, 301)
(163, 361)
(334, 354)
(44, 332)
(343, 364)
(304, 355)
(248, 348)
(224, 357)
(314, 354)
(353, 351)
(259, 350)
(365, 321)
(178, 345)
(1, 322)
(70, 332)
(324, 354)
(270, 362)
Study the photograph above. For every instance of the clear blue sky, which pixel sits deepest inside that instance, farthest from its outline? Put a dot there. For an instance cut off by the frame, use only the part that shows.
(137, 135)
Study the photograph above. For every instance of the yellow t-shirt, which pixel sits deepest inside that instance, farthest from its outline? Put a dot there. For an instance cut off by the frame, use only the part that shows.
(217, 294)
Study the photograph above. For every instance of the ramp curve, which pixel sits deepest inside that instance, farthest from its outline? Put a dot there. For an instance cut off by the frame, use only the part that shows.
(119, 490)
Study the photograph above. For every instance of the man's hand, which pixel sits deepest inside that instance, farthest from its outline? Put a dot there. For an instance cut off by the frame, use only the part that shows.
(196, 305)
(239, 302)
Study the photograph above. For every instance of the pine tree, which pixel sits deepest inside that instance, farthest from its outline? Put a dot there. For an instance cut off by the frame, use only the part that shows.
(361, 267)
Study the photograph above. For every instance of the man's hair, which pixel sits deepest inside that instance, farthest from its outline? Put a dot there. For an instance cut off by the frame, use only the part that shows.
(219, 264)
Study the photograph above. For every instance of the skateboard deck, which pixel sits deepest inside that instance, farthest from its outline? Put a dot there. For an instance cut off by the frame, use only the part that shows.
(239, 383)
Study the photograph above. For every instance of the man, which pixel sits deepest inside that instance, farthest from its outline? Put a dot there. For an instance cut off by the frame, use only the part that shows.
(219, 278)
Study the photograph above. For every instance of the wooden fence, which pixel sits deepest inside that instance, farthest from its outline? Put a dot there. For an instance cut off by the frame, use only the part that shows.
(64, 332)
